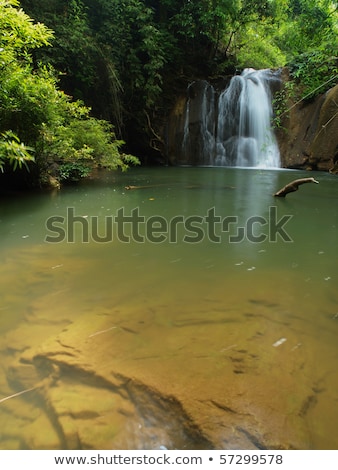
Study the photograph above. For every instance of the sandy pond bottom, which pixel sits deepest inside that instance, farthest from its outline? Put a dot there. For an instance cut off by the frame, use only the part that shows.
(166, 346)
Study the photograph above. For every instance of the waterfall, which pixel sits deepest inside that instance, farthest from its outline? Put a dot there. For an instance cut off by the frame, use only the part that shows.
(257, 144)
(232, 128)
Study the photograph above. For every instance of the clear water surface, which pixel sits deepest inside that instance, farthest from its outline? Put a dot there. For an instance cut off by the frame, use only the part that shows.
(209, 322)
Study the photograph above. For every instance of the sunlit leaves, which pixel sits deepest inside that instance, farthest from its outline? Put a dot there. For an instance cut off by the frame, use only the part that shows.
(18, 31)
(16, 153)
(258, 49)
(53, 127)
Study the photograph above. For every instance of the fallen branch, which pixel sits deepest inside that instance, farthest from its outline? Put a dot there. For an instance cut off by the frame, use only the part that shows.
(193, 186)
(293, 186)
(18, 394)
(190, 186)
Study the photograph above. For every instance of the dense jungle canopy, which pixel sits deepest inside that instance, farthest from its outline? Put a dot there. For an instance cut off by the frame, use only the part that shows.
(79, 78)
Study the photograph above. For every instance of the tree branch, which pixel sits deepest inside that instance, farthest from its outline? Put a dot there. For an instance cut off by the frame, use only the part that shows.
(293, 186)
(157, 138)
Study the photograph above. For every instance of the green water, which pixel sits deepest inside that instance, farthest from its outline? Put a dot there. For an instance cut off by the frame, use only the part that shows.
(148, 332)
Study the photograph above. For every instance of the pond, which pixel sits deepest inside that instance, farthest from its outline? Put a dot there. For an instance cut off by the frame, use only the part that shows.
(178, 308)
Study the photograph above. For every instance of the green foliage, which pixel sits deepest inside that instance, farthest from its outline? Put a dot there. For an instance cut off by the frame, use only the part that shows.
(280, 102)
(73, 171)
(124, 58)
(309, 38)
(33, 109)
(309, 25)
(258, 49)
(86, 140)
(315, 71)
(136, 46)
(18, 32)
(16, 153)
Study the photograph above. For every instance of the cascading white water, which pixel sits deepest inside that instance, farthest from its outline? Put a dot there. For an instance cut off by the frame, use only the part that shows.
(242, 134)
(257, 145)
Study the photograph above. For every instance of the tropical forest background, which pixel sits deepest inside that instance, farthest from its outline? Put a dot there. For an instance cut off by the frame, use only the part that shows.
(86, 83)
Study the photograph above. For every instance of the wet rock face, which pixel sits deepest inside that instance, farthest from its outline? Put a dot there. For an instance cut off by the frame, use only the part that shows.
(324, 147)
(309, 138)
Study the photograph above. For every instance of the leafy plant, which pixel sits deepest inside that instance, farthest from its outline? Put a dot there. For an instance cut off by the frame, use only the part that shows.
(258, 48)
(315, 71)
(127, 59)
(87, 140)
(280, 102)
(33, 110)
(73, 171)
(16, 153)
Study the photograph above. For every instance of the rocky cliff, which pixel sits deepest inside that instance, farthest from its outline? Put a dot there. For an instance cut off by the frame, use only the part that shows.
(309, 138)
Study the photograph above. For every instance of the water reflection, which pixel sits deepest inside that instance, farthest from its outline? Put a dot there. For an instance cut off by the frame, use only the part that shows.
(143, 345)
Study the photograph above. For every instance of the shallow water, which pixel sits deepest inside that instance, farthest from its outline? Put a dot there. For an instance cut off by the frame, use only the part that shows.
(186, 336)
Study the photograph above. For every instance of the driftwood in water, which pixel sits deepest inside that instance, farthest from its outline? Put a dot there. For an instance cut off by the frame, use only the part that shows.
(140, 187)
(293, 186)
(154, 186)
(191, 186)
